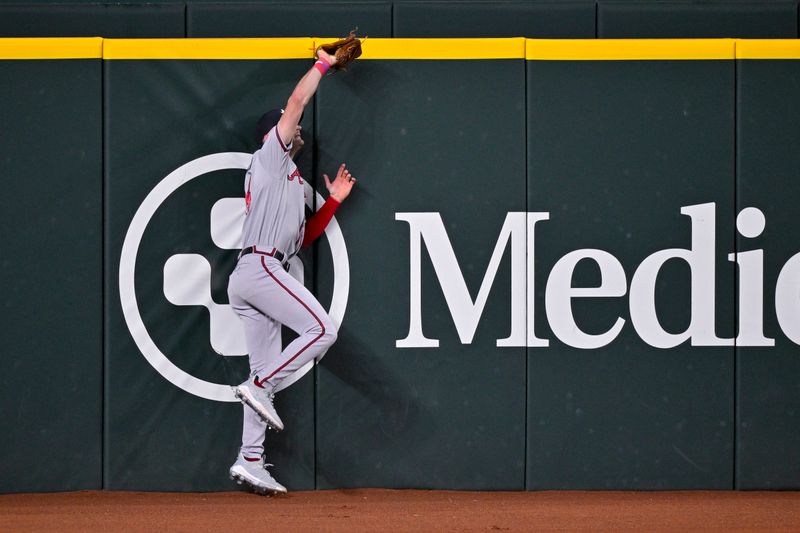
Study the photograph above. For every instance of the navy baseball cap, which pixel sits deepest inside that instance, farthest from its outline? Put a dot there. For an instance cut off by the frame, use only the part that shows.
(268, 121)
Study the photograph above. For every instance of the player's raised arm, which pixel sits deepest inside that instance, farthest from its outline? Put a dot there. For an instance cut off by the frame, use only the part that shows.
(305, 89)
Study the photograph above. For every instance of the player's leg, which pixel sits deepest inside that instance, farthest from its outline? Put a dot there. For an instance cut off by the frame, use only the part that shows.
(263, 339)
(287, 301)
(262, 335)
(263, 343)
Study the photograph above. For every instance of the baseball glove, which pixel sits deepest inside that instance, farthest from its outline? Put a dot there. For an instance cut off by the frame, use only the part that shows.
(346, 50)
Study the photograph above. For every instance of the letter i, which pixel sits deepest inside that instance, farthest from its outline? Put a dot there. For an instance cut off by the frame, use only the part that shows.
(750, 223)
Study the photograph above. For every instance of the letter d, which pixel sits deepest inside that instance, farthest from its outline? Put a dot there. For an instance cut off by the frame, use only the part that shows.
(701, 262)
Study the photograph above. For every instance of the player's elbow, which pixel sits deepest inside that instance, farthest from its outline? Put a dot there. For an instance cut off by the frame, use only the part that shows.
(297, 102)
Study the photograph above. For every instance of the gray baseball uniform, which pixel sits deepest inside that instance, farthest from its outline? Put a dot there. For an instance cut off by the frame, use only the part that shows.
(275, 198)
(261, 292)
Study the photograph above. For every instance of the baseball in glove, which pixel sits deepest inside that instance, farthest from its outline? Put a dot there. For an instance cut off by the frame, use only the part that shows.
(346, 50)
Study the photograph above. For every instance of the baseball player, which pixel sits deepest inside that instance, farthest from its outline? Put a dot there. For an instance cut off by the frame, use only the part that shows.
(260, 289)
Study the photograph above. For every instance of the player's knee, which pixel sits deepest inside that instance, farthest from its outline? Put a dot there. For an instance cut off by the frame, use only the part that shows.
(324, 332)
(330, 335)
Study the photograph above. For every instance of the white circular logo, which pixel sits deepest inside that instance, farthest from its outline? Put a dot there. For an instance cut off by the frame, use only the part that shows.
(127, 267)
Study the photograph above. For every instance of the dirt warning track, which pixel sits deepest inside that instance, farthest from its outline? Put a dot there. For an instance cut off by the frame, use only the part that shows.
(407, 510)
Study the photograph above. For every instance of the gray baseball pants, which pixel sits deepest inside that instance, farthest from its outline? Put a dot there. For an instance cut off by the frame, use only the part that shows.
(265, 296)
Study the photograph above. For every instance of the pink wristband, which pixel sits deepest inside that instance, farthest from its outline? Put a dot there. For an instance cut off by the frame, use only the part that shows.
(322, 66)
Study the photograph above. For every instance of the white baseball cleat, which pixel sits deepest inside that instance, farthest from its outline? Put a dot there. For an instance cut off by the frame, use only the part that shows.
(255, 474)
(259, 399)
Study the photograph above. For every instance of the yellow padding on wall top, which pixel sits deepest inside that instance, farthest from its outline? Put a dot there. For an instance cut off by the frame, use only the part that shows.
(276, 48)
(505, 48)
(441, 49)
(628, 49)
(303, 48)
(768, 49)
(51, 48)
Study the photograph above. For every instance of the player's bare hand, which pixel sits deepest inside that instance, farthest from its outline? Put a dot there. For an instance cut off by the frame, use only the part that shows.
(322, 54)
(297, 141)
(342, 184)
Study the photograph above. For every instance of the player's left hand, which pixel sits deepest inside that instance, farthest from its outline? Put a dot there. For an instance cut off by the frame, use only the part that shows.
(330, 58)
(341, 186)
(297, 142)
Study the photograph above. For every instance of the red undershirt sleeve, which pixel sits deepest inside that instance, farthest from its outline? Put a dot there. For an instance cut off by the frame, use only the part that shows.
(319, 221)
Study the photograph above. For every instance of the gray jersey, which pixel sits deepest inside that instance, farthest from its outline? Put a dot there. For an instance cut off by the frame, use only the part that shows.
(275, 198)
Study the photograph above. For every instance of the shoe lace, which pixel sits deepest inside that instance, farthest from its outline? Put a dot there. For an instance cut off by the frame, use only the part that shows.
(265, 465)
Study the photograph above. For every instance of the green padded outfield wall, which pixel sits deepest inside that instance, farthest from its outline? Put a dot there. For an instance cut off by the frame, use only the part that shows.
(404, 18)
(683, 20)
(616, 148)
(436, 138)
(161, 115)
(545, 20)
(768, 377)
(91, 20)
(584, 194)
(297, 19)
(51, 366)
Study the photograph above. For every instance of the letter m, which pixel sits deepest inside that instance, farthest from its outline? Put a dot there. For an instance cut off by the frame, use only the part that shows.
(428, 227)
